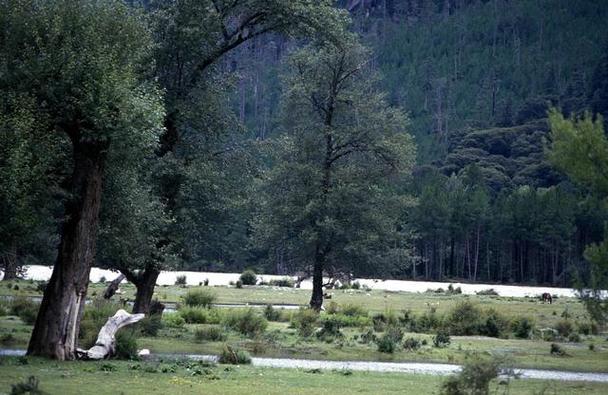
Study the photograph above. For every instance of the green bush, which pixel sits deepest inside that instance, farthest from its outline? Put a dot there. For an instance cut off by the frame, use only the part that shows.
(487, 292)
(587, 328)
(574, 337)
(246, 322)
(353, 321)
(283, 282)
(214, 333)
(150, 326)
(427, 322)
(411, 344)
(180, 280)
(474, 378)
(26, 309)
(239, 284)
(389, 341)
(441, 339)
(248, 277)
(194, 315)
(95, 316)
(493, 324)
(353, 310)
(234, 356)
(521, 327)
(29, 386)
(463, 319)
(8, 339)
(173, 320)
(564, 328)
(330, 329)
(272, 314)
(381, 320)
(557, 350)
(305, 321)
(126, 345)
(199, 298)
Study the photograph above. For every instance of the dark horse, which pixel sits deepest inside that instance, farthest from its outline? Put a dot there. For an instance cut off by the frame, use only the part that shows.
(547, 297)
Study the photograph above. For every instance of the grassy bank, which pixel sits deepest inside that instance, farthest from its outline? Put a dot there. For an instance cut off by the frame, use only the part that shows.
(113, 377)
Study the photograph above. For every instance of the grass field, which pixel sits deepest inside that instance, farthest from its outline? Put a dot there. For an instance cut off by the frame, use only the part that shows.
(133, 378)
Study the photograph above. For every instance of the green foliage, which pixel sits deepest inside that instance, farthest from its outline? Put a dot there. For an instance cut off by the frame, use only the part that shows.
(194, 315)
(248, 277)
(473, 379)
(126, 345)
(173, 320)
(214, 333)
(25, 309)
(441, 339)
(564, 328)
(557, 350)
(330, 329)
(411, 344)
(272, 314)
(522, 327)
(283, 282)
(305, 321)
(463, 320)
(246, 321)
(180, 280)
(29, 386)
(199, 298)
(150, 326)
(234, 356)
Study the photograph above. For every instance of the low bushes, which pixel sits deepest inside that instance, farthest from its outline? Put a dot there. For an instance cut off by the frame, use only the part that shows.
(95, 316)
(214, 333)
(474, 378)
(25, 309)
(126, 345)
(411, 344)
(248, 278)
(564, 328)
(246, 322)
(180, 280)
(522, 327)
(173, 320)
(234, 356)
(389, 341)
(330, 329)
(199, 298)
(282, 282)
(441, 339)
(305, 321)
(194, 315)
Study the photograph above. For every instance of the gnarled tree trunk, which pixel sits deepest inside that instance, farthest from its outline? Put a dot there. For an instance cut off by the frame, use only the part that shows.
(144, 282)
(105, 345)
(113, 287)
(58, 321)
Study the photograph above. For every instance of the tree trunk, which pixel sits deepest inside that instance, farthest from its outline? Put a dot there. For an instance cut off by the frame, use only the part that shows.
(144, 282)
(10, 265)
(316, 300)
(113, 287)
(105, 345)
(58, 321)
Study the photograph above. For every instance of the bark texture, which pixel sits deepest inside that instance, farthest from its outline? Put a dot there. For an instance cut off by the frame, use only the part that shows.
(58, 321)
(113, 287)
(144, 282)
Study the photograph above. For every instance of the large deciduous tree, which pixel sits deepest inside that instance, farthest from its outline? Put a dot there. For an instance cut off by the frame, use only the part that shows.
(79, 62)
(333, 198)
(192, 37)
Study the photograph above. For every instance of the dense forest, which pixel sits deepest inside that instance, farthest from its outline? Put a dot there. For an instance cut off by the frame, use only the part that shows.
(438, 168)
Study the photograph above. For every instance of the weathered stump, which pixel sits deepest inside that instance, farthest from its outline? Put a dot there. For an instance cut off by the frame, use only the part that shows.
(105, 345)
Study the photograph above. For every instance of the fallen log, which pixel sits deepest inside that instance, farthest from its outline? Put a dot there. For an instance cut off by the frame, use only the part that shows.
(105, 346)
(113, 287)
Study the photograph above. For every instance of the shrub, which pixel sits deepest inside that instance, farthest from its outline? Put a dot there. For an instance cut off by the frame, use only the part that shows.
(239, 284)
(493, 324)
(199, 298)
(102, 279)
(234, 356)
(355, 285)
(283, 282)
(574, 338)
(441, 339)
(454, 291)
(330, 329)
(564, 328)
(487, 292)
(521, 327)
(150, 326)
(411, 344)
(332, 308)
(305, 321)
(180, 280)
(247, 322)
(352, 321)
(427, 321)
(463, 319)
(382, 320)
(212, 333)
(474, 378)
(367, 337)
(8, 339)
(30, 386)
(271, 314)
(557, 350)
(25, 309)
(16, 287)
(126, 345)
(587, 328)
(174, 320)
(194, 315)
(386, 344)
(248, 277)
(354, 310)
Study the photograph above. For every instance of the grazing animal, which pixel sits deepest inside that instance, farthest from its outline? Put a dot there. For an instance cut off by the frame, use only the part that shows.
(547, 297)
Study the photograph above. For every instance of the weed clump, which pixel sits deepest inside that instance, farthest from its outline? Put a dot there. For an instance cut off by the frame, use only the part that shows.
(246, 322)
(305, 322)
(441, 339)
(212, 333)
(474, 378)
(180, 280)
(199, 298)
(521, 327)
(234, 356)
(194, 315)
(126, 345)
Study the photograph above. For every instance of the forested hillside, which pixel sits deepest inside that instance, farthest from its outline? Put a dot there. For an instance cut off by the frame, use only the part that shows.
(427, 159)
